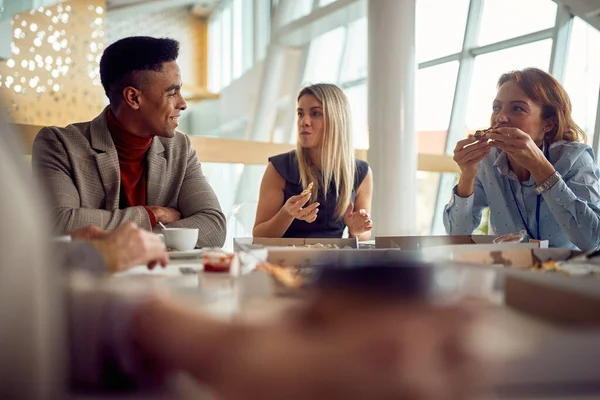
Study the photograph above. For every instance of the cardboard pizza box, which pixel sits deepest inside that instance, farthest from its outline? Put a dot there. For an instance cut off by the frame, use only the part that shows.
(572, 301)
(295, 242)
(307, 257)
(555, 297)
(418, 242)
(516, 255)
(505, 254)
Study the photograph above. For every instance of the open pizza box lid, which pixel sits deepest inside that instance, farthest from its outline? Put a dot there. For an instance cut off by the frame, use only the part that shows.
(417, 242)
(485, 253)
(307, 257)
(457, 279)
(295, 242)
(311, 260)
(552, 296)
(573, 301)
(516, 255)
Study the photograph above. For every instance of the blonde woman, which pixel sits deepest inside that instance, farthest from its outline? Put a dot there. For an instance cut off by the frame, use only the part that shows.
(319, 188)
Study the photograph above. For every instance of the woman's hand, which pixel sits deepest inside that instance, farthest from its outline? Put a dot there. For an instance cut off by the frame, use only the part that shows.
(523, 150)
(357, 222)
(518, 144)
(294, 207)
(468, 153)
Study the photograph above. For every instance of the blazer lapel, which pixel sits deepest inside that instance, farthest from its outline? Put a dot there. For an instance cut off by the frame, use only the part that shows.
(107, 160)
(157, 171)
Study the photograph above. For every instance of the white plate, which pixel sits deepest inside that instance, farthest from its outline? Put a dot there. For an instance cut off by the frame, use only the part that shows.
(195, 253)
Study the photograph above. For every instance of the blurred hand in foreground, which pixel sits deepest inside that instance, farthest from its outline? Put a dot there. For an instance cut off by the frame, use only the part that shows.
(129, 246)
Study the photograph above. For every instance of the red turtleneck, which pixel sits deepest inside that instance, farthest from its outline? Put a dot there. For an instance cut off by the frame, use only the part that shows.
(131, 149)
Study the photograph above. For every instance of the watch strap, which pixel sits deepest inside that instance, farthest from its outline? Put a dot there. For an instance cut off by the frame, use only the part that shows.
(548, 183)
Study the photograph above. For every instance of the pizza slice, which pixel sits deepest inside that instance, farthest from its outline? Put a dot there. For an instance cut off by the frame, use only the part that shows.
(480, 134)
(307, 190)
(287, 276)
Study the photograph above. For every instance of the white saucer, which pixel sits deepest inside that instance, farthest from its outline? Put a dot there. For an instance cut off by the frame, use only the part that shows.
(195, 253)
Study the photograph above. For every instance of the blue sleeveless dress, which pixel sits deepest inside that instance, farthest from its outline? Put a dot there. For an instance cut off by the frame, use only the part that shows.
(326, 225)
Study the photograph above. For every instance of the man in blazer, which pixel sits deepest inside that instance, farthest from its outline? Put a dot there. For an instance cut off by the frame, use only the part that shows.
(130, 163)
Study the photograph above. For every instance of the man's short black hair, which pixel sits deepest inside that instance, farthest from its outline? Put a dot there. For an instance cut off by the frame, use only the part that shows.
(122, 61)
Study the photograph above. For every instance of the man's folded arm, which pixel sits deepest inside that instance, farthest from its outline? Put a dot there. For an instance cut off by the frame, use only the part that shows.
(199, 205)
(51, 163)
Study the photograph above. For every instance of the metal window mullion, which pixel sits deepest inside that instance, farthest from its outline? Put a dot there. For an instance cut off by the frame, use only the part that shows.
(423, 65)
(291, 115)
(247, 35)
(344, 52)
(438, 61)
(354, 82)
(289, 29)
(596, 139)
(246, 187)
(232, 47)
(456, 127)
(256, 27)
(513, 42)
(477, 51)
(284, 8)
(561, 39)
(262, 22)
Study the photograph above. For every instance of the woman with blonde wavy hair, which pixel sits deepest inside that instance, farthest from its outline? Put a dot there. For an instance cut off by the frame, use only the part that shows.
(530, 168)
(319, 188)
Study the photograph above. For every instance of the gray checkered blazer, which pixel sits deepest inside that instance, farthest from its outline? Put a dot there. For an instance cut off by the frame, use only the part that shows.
(80, 169)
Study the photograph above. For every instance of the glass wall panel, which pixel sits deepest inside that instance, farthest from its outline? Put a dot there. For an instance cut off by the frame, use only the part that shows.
(582, 74)
(506, 19)
(440, 27)
(324, 57)
(435, 94)
(489, 67)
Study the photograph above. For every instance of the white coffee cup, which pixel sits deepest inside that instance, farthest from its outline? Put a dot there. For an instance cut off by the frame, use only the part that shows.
(180, 239)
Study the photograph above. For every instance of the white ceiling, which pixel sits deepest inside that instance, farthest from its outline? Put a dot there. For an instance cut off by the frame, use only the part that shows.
(588, 10)
(201, 8)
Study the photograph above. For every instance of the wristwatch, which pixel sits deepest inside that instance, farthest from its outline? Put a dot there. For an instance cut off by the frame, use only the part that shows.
(548, 183)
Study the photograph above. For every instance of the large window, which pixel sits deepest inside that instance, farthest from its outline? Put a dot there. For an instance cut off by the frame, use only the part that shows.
(357, 97)
(427, 184)
(440, 28)
(324, 57)
(506, 19)
(238, 33)
(354, 65)
(435, 94)
(238, 39)
(295, 9)
(582, 80)
(226, 45)
(461, 58)
(214, 54)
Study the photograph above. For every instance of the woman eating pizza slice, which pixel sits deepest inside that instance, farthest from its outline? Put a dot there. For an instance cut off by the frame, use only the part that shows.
(535, 173)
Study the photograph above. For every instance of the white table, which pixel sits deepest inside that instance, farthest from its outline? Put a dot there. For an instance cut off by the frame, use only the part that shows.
(561, 356)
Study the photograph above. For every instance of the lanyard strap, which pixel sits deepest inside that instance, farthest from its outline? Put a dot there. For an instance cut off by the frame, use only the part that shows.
(537, 214)
(537, 203)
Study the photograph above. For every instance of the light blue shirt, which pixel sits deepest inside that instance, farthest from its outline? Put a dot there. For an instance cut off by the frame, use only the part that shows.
(569, 214)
